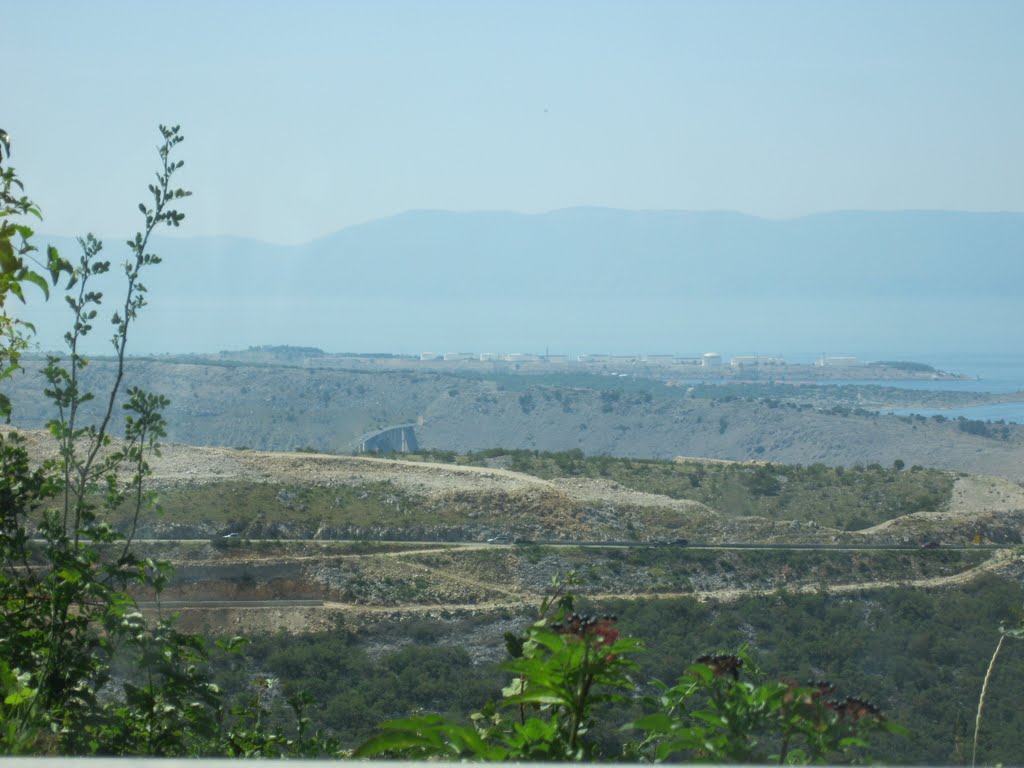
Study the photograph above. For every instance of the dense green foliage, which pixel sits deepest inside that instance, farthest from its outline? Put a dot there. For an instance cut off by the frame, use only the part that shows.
(354, 691)
(64, 620)
(569, 671)
(838, 497)
(81, 669)
(919, 655)
(19, 265)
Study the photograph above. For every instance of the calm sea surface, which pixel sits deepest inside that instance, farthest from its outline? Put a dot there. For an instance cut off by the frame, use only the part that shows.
(991, 373)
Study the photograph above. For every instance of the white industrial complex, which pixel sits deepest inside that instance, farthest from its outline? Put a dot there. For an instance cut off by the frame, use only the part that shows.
(706, 360)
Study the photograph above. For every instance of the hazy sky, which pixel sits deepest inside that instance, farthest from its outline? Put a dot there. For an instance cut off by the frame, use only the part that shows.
(305, 117)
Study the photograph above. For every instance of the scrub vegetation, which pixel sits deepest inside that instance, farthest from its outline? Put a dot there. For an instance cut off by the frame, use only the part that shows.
(84, 671)
(837, 497)
(920, 656)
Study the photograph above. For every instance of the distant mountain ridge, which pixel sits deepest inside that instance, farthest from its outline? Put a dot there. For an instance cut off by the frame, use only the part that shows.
(596, 249)
(576, 265)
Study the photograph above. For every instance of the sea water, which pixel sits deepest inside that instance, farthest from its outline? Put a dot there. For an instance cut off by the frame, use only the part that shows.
(999, 374)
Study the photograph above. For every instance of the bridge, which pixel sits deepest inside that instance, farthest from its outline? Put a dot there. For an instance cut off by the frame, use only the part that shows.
(400, 438)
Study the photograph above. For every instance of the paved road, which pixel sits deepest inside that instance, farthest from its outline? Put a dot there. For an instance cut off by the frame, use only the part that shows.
(604, 544)
(232, 604)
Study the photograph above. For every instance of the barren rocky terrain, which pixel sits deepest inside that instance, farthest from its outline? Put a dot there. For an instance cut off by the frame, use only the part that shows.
(368, 582)
(291, 509)
(976, 501)
(489, 501)
(365, 590)
(280, 407)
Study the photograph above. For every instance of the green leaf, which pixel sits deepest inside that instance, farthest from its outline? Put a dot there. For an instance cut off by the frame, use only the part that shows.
(68, 575)
(430, 735)
(538, 697)
(537, 730)
(54, 263)
(514, 688)
(658, 722)
(36, 279)
(895, 728)
(553, 641)
(852, 741)
(701, 672)
(9, 263)
(712, 718)
(19, 697)
(393, 742)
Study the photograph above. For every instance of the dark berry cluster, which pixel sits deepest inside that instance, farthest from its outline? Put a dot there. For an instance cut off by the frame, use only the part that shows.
(602, 628)
(851, 707)
(723, 665)
(855, 709)
(823, 687)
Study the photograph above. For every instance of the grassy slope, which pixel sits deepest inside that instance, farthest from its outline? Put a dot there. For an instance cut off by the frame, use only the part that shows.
(359, 507)
(829, 496)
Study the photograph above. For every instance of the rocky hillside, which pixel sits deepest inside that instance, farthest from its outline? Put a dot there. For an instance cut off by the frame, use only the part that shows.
(209, 492)
(278, 407)
(286, 570)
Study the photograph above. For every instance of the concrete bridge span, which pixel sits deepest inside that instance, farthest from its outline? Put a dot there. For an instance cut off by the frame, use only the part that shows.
(400, 438)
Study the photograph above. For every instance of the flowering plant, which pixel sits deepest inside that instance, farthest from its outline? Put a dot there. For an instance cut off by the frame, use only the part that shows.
(723, 710)
(565, 665)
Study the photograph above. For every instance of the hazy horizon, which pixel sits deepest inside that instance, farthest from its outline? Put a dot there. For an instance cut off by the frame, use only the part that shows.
(588, 280)
(305, 118)
(43, 233)
(319, 117)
